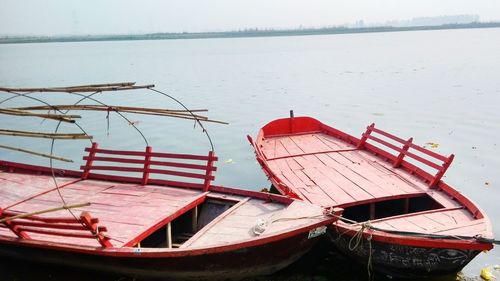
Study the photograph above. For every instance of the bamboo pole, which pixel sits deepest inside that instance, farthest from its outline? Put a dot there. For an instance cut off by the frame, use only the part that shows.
(43, 135)
(58, 117)
(36, 153)
(65, 207)
(183, 114)
(78, 89)
(104, 107)
(121, 84)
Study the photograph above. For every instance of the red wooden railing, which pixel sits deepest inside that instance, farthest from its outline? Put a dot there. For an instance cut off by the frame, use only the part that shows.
(84, 227)
(144, 160)
(405, 151)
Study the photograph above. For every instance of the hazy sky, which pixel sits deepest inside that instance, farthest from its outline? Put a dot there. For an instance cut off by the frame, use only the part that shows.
(53, 17)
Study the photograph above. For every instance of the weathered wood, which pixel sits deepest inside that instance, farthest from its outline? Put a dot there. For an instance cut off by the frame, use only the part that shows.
(214, 222)
(36, 153)
(20, 216)
(44, 135)
(183, 114)
(370, 175)
(72, 89)
(58, 117)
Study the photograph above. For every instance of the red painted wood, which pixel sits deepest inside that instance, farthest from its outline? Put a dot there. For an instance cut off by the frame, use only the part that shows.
(66, 226)
(365, 136)
(90, 160)
(416, 157)
(165, 220)
(147, 163)
(307, 154)
(150, 171)
(17, 230)
(42, 219)
(153, 154)
(441, 172)
(402, 153)
(151, 162)
(146, 169)
(57, 233)
(370, 169)
(208, 174)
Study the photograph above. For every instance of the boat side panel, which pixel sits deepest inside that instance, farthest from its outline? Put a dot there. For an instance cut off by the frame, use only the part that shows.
(245, 262)
(405, 261)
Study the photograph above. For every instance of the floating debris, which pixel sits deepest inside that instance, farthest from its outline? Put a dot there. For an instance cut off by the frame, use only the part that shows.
(229, 161)
(486, 274)
(432, 144)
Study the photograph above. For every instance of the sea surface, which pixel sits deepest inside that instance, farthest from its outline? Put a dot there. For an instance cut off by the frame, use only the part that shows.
(441, 87)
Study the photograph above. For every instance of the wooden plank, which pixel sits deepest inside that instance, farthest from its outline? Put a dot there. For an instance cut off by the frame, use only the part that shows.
(291, 147)
(268, 148)
(424, 222)
(395, 218)
(407, 153)
(152, 162)
(372, 175)
(458, 228)
(400, 173)
(310, 144)
(164, 220)
(359, 181)
(329, 187)
(334, 143)
(316, 195)
(153, 154)
(293, 164)
(213, 223)
(391, 179)
(346, 186)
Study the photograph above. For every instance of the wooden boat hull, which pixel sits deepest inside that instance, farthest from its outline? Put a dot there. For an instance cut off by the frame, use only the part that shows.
(275, 248)
(237, 264)
(306, 159)
(403, 261)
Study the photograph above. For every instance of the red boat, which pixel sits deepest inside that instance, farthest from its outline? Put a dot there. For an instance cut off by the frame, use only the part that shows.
(144, 213)
(174, 230)
(399, 216)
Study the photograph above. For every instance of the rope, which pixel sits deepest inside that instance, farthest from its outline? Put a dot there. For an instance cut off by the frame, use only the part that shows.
(262, 224)
(358, 239)
(477, 238)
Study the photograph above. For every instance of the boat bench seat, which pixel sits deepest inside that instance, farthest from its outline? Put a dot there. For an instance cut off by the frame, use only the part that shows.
(185, 166)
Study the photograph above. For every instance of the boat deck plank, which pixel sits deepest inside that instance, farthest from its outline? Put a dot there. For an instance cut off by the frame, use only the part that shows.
(345, 175)
(240, 223)
(17, 187)
(451, 221)
(127, 210)
(333, 142)
(330, 172)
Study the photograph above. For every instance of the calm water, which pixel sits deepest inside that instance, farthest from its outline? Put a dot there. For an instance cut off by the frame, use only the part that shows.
(437, 86)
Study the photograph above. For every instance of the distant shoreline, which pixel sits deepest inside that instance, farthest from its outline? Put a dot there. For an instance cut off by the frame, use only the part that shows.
(237, 34)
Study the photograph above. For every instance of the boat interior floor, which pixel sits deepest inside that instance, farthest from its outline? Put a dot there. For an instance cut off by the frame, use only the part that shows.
(142, 215)
(330, 172)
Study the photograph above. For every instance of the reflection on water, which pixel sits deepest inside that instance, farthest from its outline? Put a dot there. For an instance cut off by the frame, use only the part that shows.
(440, 87)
